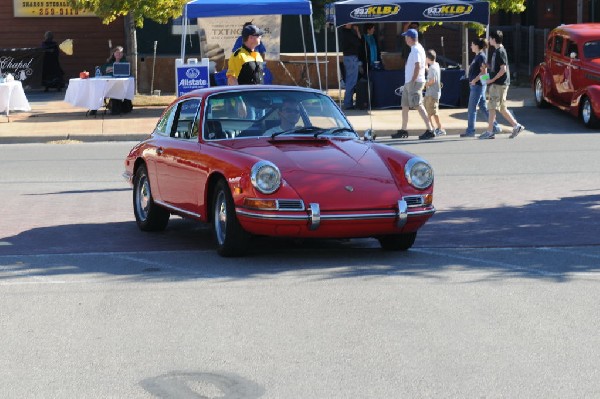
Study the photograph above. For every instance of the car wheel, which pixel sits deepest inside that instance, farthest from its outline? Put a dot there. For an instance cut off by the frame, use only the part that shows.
(398, 242)
(587, 114)
(539, 93)
(148, 215)
(230, 237)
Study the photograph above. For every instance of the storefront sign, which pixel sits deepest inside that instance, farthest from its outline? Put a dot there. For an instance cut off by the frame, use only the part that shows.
(48, 9)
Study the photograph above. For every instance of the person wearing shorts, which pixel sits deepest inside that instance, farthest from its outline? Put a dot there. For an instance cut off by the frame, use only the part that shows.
(433, 93)
(414, 82)
(498, 86)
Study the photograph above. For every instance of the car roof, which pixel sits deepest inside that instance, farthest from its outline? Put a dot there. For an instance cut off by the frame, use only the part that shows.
(580, 31)
(222, 89)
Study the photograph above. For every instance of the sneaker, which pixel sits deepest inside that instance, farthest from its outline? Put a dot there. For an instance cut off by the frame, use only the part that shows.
(497, 129)
(427, 135)
(400, 134)
(467, 135)
(439, 132)
(487, 135)
(516, 130)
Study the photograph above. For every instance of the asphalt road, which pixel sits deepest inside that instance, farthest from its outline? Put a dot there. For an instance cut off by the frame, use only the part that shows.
(498, 298)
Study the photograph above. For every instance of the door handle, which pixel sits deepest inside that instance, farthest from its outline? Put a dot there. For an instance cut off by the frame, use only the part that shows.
(159, 151)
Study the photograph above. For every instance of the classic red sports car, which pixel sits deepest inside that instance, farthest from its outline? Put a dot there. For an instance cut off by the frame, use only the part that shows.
(569, 77)
(275, 161)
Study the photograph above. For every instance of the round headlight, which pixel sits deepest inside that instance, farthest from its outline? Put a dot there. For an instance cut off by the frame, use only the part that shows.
(265, 177)
(419, 173)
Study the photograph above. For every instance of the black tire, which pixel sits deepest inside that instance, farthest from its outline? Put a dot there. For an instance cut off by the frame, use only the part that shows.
(148, 215)
(397, 242)
(231, 239)
(538, 93)
(589, 118)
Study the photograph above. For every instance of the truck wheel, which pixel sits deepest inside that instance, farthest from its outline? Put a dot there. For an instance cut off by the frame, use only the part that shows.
(587, 114)
(538, 92)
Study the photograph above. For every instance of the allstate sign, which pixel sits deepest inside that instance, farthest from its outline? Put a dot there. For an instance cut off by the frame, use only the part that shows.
(191, 77)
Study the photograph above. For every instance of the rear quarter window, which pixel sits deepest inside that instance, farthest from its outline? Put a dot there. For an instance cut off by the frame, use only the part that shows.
(591, 50)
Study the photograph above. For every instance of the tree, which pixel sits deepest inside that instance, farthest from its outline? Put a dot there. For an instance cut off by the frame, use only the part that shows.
(134, 11)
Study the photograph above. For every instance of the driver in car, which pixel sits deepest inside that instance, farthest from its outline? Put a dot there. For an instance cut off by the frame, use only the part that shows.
(289, 115)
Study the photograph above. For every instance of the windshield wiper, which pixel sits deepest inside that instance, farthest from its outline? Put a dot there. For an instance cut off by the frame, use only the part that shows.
(304, 129)
(334, 131)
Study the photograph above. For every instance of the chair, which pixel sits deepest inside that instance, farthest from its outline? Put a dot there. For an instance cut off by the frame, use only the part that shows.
(214, 131)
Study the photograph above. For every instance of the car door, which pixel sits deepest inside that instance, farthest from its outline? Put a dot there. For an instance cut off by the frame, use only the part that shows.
(559, 66)
(570, 72)
(181, 174)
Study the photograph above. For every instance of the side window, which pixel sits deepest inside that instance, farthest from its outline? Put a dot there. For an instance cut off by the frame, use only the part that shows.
(184, 124)
(558, 45)
(572, 48)
(164, 124)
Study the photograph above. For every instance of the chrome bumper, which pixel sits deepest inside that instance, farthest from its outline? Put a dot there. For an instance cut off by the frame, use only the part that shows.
(129, 177)
(314, 216)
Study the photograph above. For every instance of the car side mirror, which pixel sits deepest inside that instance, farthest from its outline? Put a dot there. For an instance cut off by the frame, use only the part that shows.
(369, 135)
(573, 55)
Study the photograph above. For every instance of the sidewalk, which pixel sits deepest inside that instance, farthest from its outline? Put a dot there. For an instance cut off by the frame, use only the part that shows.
(52, 119)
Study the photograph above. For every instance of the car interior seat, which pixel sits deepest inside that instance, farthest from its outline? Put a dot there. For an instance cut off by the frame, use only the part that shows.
(214, 131)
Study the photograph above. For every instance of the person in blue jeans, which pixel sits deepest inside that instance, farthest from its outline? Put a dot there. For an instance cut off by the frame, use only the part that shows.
(477, 69)
(351, 49)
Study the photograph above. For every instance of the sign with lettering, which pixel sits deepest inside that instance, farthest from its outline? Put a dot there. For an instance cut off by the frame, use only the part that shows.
(192, 76)
(48, 9)
(25, 64)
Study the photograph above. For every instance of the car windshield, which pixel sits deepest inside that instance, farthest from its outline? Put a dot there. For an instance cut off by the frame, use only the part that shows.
(274, 114)
(591, 49)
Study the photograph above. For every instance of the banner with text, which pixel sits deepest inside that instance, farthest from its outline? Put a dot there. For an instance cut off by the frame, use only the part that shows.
(25, 64)
(218, 35)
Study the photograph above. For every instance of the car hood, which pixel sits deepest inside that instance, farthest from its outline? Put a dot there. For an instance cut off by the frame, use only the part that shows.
(337, 174)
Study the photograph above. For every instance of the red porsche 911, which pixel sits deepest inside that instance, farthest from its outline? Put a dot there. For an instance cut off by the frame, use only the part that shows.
(275, 161)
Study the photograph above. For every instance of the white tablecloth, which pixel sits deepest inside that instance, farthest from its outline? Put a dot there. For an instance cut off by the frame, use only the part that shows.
(12, 97)
(90, 93)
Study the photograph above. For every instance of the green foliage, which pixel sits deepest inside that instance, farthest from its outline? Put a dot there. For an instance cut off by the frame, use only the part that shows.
(160, 11)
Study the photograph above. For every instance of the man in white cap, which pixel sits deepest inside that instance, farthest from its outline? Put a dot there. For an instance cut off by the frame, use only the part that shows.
(414, 82)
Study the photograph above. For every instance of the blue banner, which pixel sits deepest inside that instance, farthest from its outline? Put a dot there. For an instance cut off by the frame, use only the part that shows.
(191, 77)
(355, 11)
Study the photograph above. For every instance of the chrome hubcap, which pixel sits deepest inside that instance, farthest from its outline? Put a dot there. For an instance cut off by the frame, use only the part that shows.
(221, 218)
(143, 198)
(539, 95)
(586, 111)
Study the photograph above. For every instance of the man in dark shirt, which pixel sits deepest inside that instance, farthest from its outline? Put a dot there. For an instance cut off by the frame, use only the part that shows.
(351, 49)
(245, 64)
(498, 83)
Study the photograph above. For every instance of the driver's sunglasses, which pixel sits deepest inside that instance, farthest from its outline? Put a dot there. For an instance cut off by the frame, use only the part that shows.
(291, 110)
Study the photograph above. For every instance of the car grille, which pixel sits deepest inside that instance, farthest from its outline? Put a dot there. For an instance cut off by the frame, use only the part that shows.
(414, 200)
(290, 205)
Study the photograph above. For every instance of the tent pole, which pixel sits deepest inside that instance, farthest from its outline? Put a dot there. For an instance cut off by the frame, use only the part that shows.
(184, 23)
(305, 56)
(312, 28)
(326, 58)
(337, 62)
